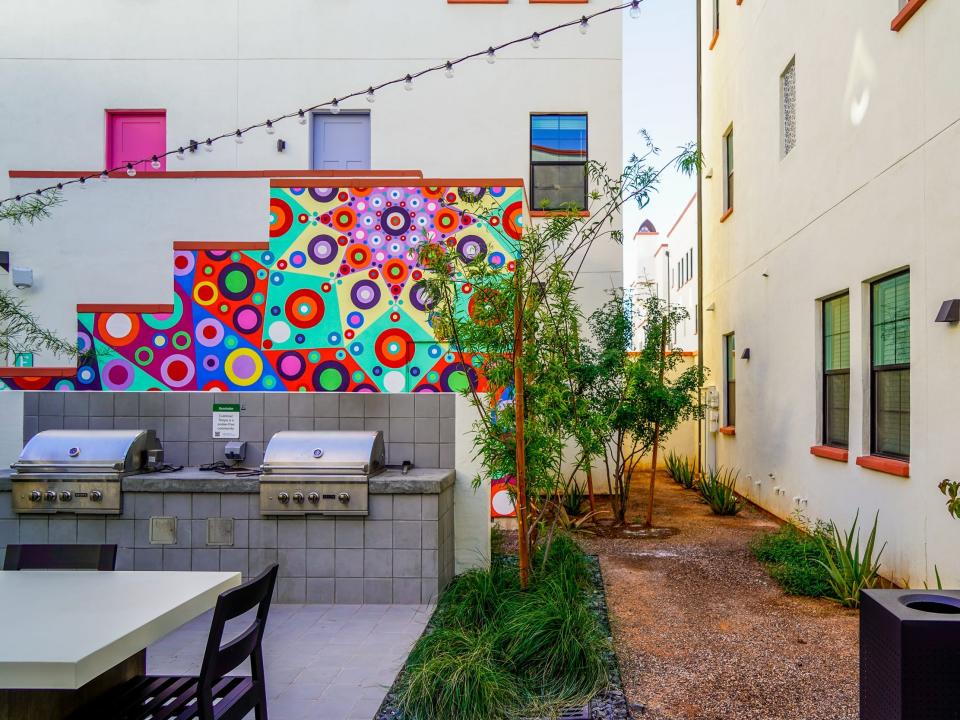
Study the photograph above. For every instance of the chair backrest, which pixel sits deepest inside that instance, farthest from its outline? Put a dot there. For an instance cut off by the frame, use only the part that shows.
(219, 659)
(60, 557)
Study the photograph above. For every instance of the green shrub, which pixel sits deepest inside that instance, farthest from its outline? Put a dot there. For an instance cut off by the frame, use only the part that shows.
(495, 651)
(848, 570)
(681, 469)
(793, 558)
(672, 461)
(455, 673)
(717, 487)
(573, 497)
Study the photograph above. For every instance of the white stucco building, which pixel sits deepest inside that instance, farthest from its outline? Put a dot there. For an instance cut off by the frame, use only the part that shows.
(827, 262)
(87, 82)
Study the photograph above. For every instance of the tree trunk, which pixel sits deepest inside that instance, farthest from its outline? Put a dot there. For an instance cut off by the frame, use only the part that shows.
(664, 331)
(593, 503)
(523, 549)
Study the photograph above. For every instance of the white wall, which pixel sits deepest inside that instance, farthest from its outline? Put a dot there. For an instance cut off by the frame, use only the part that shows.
(870, 187)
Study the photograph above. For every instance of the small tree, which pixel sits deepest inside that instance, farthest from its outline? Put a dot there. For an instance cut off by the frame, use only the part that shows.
(637, 401)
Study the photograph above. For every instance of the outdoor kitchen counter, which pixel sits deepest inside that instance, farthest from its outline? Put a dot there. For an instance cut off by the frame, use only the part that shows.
(418, 481)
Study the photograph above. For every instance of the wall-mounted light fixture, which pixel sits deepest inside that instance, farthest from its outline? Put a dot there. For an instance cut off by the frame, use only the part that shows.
(711, 307)
(949, 312)
(281, 145)
(745, 355)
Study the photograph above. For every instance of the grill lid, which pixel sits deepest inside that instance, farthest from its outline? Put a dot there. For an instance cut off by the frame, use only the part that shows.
(57, 451)
(342, 452)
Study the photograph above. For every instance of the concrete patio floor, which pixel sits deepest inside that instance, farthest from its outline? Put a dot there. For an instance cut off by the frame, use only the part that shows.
(323, 662)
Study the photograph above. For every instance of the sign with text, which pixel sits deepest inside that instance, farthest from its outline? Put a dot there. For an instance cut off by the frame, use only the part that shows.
(226, 420)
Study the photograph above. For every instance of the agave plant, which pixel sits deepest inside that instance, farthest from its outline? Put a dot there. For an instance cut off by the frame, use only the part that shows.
(672, 462)
(718, 489)
(681, 470)
(850, 571)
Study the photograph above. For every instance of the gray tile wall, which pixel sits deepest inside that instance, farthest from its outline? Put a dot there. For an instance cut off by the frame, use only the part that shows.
(401, 553)
(416, 426)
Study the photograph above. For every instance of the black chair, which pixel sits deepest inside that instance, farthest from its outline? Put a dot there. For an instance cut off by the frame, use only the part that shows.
(213, 695)
(60, 557)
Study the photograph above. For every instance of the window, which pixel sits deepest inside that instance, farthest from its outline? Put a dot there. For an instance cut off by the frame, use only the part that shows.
(730, 370)
(836, 370)
(788, 108)
(136, 135)
(716, 16)
(728, 171)
(890, 366)
(558, 160)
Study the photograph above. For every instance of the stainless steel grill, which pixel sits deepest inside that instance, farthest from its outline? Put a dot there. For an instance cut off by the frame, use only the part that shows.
(319, 472)
(79, 471)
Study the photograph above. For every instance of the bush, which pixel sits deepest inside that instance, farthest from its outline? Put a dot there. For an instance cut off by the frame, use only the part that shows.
(848, 570)
(494, 651)
(793, 558)
(718, 489)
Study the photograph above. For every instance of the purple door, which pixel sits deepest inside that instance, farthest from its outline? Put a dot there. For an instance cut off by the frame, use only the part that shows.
(136, 135)
(341, 142)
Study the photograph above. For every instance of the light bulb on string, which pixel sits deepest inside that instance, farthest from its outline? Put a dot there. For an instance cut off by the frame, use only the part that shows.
(334, 107)
(371, 96)
(155, 162)
(238, 137)
(83, 183)
(491, 56)
(131, 171)
(269, 127)
(635, 9)
(408, 83)
(104, 176)
(535, 40)
(584, 25)
(302, 119)
(180, 155)
(448, 69)
(208, 145)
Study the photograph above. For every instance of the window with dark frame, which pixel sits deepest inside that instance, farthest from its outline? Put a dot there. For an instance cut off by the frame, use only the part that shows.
(836, 371)
(730, 372)
(728, 170)
(558, 161)
(890, 366)
(716, 16)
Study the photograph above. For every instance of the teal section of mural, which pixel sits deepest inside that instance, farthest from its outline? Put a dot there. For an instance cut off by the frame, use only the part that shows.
(334, 304)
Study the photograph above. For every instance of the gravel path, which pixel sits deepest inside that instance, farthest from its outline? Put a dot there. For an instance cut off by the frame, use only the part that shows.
(702, 632)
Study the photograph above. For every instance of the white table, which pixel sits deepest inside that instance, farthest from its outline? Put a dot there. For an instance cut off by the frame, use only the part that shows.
(60, 630)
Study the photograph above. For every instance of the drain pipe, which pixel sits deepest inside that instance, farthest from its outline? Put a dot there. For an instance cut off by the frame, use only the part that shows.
(700, 233)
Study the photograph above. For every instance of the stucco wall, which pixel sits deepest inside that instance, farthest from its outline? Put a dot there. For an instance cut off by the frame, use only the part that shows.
(869, 188)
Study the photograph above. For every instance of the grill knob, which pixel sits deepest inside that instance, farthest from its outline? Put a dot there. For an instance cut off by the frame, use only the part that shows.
(314, 497)
(298, 498)
(283, 497)
(96, 495)
(50, 496)
(35, 496)
(66, 496)
(343, 497)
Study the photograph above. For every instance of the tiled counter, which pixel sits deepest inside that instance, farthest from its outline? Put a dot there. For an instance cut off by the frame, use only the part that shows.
(402, 552)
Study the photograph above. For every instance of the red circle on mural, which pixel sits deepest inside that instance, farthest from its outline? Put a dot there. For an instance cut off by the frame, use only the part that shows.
(394, 348)
(304, 308)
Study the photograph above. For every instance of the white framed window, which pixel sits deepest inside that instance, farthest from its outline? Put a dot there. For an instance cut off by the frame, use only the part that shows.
(788, 108)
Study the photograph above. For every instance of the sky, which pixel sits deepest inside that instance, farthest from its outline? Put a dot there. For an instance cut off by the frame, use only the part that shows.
(660, 96)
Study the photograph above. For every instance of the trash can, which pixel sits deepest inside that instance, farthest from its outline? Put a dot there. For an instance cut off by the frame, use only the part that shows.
(910, 655)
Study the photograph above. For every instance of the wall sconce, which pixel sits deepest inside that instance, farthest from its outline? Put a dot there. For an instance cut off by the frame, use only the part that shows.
(711, 307)
(745, 355)
(281, 145)
(709, 173)
(949, 312)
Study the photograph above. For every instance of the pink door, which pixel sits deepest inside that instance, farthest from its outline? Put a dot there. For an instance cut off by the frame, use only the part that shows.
(134, 135)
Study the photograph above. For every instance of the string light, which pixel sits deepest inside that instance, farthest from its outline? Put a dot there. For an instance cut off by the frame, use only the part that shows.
(334, 105)
(83, 183)
(155, 162)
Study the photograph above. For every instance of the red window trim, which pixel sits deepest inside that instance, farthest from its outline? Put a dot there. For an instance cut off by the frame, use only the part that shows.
(728, 430)
(909, 10)
(830, 453)
(713, 42)
(727, 214)
(900, 468)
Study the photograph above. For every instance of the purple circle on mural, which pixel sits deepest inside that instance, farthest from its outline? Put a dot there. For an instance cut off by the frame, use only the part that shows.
(471, 247)
(290, 366)
(322, 194)
(209, 332)
(365, 294)
(454, 368)
(211, 362)
(177, 371)
(117, 375)
(395, 221)
(217, 254)
(236, 281)
(330, 376)
(323, 249)
(420, 297)
(247, 319)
